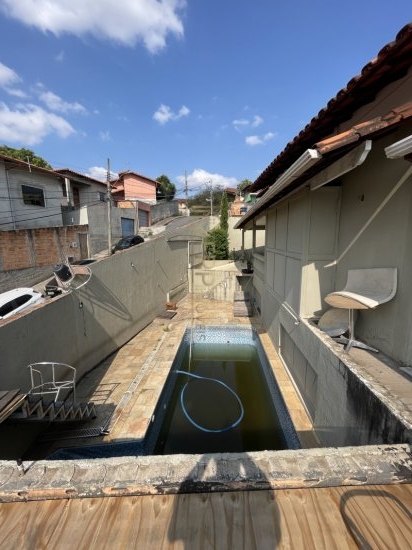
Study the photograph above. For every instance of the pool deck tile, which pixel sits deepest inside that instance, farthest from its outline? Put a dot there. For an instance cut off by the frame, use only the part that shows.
(128, 384)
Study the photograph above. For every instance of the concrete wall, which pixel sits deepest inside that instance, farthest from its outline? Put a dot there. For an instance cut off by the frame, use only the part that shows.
(126, 292)
(235, 237)
(345, 409)
(375, 230)
(95, 217)
(217, 279)
(163, 209)
(312, 239)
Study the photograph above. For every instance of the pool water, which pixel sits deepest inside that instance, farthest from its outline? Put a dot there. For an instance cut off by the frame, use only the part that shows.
(228, 402)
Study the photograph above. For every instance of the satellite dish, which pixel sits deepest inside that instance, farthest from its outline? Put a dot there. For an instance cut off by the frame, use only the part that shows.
(71, 277)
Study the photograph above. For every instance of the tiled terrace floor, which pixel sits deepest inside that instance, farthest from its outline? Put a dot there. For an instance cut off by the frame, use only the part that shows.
(125, 387)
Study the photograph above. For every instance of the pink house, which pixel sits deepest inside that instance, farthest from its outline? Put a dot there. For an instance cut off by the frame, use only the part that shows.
(133, 190)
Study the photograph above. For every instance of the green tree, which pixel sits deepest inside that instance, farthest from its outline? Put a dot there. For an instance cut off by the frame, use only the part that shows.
(167, 189)
(217, 240)
(203, 197)
(243, 184)
(224, 213)
(216, 244)
(25, 154)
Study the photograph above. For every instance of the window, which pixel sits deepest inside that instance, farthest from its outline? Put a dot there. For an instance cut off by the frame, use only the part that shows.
(33, 195)
(14, 304)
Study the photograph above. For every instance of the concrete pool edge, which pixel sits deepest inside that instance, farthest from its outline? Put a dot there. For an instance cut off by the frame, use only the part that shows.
(171, 474)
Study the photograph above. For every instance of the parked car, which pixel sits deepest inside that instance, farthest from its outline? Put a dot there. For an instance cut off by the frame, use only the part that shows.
(14, 301)
(127, 242)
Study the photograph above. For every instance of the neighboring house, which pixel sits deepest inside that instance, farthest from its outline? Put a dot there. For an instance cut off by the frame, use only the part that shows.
(244, 200)
(32, 197)
(132, 190)
(337, 199)
(34, 232)
(236, 208)
(182, 207)
(250, 197)
(80, 190)
(85, 203)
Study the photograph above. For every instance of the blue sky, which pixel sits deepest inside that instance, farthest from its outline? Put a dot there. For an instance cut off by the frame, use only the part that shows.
(211, 88)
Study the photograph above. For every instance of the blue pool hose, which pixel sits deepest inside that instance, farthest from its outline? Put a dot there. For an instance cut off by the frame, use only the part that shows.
(198, 426)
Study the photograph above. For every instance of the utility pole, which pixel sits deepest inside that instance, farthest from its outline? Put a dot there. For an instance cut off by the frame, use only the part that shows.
(109, 209)
(186, 193)
(209, 186)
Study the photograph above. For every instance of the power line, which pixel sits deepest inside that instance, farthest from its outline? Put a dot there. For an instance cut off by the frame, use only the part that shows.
(56, 212)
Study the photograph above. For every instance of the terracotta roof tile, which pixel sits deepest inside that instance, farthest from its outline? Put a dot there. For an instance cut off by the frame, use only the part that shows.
(391, 63)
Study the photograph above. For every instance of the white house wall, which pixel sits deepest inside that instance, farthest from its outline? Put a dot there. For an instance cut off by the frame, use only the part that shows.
(375, 233)
(314, 237)
(16, 214)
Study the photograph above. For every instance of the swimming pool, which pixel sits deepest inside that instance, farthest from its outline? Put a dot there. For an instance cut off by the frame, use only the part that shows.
(220, 396)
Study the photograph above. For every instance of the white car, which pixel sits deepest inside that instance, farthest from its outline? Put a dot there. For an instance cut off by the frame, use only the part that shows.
(14, 301)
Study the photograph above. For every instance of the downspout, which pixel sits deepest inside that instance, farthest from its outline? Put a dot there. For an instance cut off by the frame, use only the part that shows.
(68, 191)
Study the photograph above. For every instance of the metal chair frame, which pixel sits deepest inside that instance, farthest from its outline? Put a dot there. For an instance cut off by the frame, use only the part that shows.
(47, 373)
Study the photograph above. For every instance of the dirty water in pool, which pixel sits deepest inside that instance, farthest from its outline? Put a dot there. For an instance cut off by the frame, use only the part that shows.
(220, 396)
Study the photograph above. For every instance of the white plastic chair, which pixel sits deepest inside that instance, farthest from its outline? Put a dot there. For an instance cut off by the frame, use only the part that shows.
(365, 289)
(46, 379)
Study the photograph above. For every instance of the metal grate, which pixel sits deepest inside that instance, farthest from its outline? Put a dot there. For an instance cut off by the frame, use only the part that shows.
(73, 434)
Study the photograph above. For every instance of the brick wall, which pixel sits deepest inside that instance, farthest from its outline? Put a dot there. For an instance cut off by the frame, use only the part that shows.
(31, 248)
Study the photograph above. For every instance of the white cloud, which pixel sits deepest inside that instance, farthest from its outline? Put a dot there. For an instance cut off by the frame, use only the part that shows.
(56, 103)
(30, 124)
(241, 122)
(199, 179)
(245, 122)
(8, 77)
(125, 22)
(17, 93)
(164, 114)
(259, 140)
(253, 140)
(100, 173)
(257, 121)
(105, 136)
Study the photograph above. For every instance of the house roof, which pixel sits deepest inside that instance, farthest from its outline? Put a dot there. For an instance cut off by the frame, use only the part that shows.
(391, 63)
(330, 150)
(77, 175)
(131, 173)
(27, 165)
